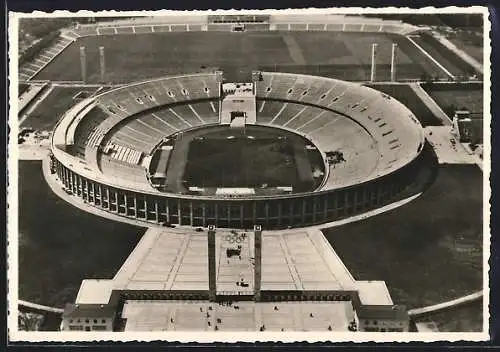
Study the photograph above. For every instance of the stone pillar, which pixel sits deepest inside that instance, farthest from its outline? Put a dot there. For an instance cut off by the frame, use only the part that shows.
(257, 261)
(83, 63)
(157, 213)
(167, 211)
(125, 202)
(212, 270)
(179, 212)
(374, 63)
(102, 63)
(135, 207)
(191, 220)
(393, 61)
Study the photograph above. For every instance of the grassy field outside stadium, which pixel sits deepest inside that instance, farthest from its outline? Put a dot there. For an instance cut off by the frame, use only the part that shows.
(463, 319)
(22, 87)
(453, 63)
(50, 110)
(334, 54)
(469, 40)
(435, 242)
(60, 245)
(408, 97)
(458, 96)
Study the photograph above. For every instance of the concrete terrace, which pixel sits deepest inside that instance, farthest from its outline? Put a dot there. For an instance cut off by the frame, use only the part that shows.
(177, 260)
(244, 316)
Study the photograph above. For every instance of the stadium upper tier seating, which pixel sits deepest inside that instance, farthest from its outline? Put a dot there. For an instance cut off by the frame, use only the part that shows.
(142, 132)
(386, 120)
(374, 133)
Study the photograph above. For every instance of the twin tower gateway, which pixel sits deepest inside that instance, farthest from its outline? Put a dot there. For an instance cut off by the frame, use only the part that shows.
(83, 64)
(373, 71)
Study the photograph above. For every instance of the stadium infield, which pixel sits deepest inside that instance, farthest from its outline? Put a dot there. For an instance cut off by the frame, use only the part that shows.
(435, 241)
(255, 157)
(341, 55)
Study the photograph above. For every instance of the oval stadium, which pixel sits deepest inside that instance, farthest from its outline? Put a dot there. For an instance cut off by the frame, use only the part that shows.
(249, 172)
(302, 149)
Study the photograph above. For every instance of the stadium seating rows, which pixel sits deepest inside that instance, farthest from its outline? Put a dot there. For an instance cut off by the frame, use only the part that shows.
(367, 107)
(334, 115)
(87, 131)
(29, 69)
(122, 153)
(143, 132)
(121, 170)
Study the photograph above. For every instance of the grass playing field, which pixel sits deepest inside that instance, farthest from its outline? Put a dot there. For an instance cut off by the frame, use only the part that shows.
(64, 245)
(469, 41)
(238, 161)
(457, 96)
(50, 110)
(427, 251)
(341, 55)
(407, 96)
(448, 59)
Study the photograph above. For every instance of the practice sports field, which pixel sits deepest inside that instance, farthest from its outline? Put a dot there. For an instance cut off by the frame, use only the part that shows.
(470, 41)
(51, 109)
(333, 54)
(407, 96)
(458, 96)
(435, 242)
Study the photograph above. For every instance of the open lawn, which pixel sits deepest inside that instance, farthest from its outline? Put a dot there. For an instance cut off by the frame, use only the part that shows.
(342, 55)
(60, 245)
(469, 41)
(427, 251)
(463, 319)
(407, 96)
(448, 59)
(22, 87)
(458, 96)
(50, 110)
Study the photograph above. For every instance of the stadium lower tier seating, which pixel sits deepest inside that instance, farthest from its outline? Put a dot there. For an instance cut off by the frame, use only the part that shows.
(86, 131)
(144, 132)
(123, 171)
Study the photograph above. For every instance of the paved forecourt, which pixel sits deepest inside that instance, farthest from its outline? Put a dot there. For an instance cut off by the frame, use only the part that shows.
(176, 260)
(243, 316)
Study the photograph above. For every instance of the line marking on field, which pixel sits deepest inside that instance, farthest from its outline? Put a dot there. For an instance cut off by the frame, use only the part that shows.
(35, 105)
(431, 58)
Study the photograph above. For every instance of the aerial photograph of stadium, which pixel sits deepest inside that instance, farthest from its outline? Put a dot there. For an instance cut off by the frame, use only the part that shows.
(249, 172)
